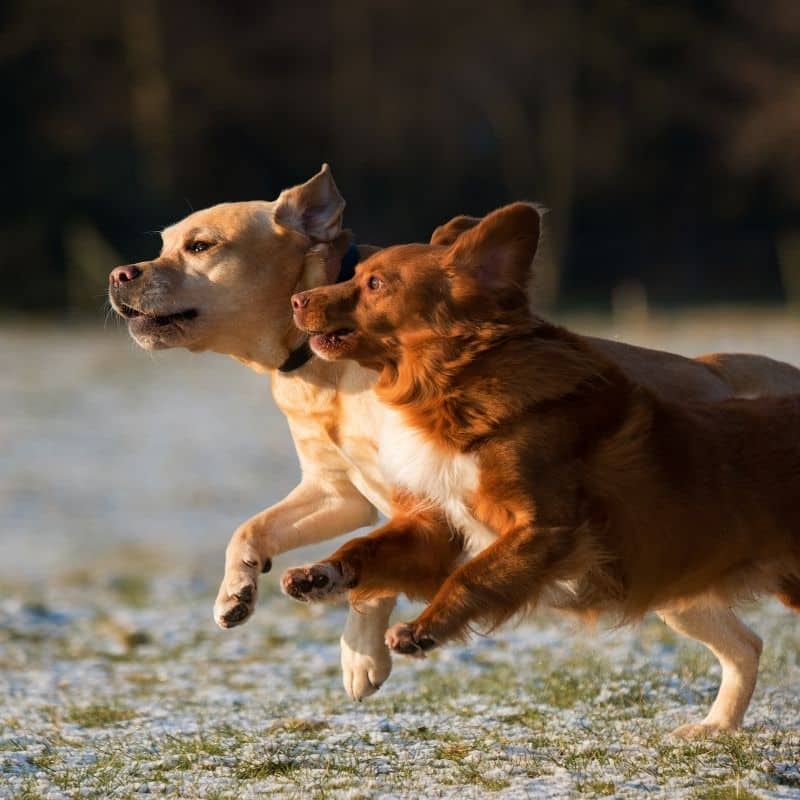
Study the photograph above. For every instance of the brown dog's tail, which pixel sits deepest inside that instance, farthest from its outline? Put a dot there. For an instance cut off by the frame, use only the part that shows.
(753, 376)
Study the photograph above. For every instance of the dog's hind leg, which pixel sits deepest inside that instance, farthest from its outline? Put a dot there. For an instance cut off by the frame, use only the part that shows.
(738, 650)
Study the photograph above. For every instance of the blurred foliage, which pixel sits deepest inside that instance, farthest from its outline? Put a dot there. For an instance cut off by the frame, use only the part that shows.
(662, 135)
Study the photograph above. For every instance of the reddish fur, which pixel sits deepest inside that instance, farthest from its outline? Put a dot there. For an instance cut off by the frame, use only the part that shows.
(412, 554)
(585, 475)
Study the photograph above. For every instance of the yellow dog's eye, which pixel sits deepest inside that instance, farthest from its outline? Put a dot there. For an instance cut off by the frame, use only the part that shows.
(374, 282)
(198, 246)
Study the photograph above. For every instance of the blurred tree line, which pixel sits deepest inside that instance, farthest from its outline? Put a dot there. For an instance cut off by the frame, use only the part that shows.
(663, 136)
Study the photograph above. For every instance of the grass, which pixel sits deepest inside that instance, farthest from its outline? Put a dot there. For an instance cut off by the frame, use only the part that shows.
(727, 793)
(307, 727)
(98, 715)
(597, 787)
(190, 720)
(267, 768)
(132, 590)
(118, 684)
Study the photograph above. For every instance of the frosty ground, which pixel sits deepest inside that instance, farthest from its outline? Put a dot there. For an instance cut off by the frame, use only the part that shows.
(121, 478)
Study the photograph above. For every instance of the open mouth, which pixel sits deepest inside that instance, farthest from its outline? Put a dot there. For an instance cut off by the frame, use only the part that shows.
(330, 342)
(131, 313)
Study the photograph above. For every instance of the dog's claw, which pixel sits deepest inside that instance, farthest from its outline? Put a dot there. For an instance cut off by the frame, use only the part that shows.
(402, 639)
(426, 642)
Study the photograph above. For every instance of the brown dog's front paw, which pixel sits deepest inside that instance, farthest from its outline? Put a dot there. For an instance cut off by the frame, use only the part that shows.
(402, 638)
(318, 581)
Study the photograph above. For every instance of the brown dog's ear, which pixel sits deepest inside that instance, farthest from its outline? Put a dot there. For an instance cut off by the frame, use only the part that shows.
(313, 208)
(446, 234)
(498, 252)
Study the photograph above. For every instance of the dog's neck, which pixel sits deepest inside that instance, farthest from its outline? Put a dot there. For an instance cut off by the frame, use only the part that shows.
(459, 390)
(290, 354)
(301, 353)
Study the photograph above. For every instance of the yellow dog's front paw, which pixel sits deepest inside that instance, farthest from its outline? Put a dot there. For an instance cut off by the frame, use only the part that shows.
(236, 599)
(233, 608)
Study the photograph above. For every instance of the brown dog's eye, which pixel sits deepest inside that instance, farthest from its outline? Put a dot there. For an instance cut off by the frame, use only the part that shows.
(198, 246)
(374, 283)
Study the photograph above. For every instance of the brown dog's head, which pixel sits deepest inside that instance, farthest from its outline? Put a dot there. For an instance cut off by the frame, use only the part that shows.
(403, 297)
(225, 274)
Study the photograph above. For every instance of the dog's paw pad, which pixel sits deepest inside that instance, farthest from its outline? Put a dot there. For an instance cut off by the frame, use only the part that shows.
(402, 639)
(239, 613)
(233, 609)
(316, 582)
(246, 594)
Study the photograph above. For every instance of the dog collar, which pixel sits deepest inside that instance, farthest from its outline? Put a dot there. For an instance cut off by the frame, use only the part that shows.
(302, 354)
(348, 268)
(298, 357)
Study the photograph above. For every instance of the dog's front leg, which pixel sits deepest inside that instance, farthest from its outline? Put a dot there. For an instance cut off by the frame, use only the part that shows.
(501, 580)
(312, 512)
(410, 554)
(366, 661)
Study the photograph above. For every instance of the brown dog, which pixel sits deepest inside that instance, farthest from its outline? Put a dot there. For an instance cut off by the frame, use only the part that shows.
(564, 481)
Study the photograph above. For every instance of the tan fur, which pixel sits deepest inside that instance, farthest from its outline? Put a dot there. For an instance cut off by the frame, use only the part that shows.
(602, 495)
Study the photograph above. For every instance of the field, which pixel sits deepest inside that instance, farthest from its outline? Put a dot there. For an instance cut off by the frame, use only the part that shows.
(121, 478)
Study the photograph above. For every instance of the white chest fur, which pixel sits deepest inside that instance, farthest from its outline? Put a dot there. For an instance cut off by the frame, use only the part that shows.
(409, 461)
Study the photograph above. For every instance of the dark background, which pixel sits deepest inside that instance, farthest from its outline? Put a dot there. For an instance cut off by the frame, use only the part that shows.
(664, 136)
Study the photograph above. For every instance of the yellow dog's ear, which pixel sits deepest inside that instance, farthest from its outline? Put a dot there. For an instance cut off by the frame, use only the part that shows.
(323, 261)
(447, 234)
(313, 208)
(498, 252)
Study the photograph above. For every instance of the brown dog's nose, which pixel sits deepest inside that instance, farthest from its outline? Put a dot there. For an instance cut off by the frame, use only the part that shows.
(124, 274)
(299, 301)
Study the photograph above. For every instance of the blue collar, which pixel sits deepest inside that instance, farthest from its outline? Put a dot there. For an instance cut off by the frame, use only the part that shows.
(302, 355)
(348, 267)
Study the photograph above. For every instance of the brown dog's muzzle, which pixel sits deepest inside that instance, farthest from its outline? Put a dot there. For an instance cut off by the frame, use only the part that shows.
(326, 313)
(300, 302)
(325, 308)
